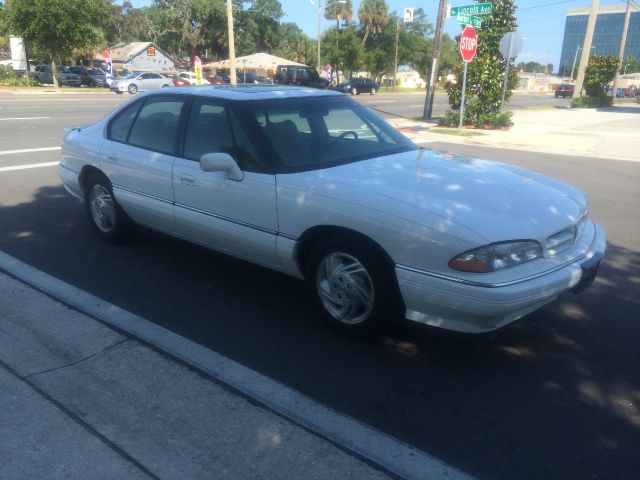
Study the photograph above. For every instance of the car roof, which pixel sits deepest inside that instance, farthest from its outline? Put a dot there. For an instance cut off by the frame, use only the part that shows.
(247, 93)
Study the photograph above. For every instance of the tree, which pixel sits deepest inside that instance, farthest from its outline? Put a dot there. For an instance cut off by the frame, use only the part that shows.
(294, 44)
(600, 71)
(338, 10)
(4, 30)
(373, 16)
(485, 74)
(57, 27)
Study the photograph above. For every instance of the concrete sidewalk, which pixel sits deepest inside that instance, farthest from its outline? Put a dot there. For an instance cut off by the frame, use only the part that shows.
(80, 401)
(600, 133)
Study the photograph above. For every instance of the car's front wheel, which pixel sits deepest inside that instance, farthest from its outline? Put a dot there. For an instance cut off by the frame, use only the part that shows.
(354, 285)
(132, 89)
(107, 218)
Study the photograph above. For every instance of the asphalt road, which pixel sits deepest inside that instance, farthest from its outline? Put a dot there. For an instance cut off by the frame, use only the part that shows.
(553, 396)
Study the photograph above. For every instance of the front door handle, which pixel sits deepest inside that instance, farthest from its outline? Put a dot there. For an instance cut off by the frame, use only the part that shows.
(187, 179)
(111, 158)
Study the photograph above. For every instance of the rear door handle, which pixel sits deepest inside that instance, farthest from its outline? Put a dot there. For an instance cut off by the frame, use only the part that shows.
(187, 179)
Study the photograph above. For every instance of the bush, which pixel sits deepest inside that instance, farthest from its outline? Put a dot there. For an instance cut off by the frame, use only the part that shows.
(9, 78)
(591, 102)
(484, 120)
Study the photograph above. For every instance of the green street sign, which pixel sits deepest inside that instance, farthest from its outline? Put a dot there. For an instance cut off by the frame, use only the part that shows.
(476, 9)
(472, 20)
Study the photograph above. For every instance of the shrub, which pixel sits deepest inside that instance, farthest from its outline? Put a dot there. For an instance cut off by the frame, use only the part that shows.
(591, 102)
(491, 120)
(9, 78)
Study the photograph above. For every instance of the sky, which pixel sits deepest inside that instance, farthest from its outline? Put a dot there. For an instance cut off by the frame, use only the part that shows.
(540, 22)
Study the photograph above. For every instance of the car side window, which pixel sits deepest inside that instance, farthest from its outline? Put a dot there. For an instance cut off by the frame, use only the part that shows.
(208, 131)
(156, 126)
(120, 126)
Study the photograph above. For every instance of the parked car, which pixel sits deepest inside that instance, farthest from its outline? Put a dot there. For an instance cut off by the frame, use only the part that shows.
(139, 82)
(179, 82)
(43, 73)
(216, 80)
(192, 78)
(356, 86)
(564, 90)
(315, 185)
(94, 77)
(300, 76)
(629, 92)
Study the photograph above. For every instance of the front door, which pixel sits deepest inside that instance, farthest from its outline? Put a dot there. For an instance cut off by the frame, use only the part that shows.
(231, 216)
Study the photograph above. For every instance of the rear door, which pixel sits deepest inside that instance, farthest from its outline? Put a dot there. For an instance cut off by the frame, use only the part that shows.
(138, 157)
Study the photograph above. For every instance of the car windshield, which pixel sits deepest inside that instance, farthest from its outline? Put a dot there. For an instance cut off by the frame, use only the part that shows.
(320, 132)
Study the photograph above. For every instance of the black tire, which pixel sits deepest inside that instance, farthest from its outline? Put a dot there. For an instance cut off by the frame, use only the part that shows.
(132, 89)
(106, 217)
(362, 301)
(119, 92)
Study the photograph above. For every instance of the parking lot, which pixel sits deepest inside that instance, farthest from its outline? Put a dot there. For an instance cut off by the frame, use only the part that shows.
(555, 395)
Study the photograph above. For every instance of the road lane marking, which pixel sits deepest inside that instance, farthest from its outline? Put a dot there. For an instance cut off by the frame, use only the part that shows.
(28, 150)
(23, 118)
(26, 167)
(391, 454)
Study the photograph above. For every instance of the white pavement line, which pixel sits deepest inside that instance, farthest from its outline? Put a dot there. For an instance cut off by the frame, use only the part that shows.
(26, 167)
(388, 452)
(23, 118)
(28, 150)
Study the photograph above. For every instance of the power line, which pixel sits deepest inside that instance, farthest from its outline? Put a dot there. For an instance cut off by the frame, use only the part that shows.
(547, 4)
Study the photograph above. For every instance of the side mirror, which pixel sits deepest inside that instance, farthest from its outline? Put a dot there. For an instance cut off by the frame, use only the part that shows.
(221, 162)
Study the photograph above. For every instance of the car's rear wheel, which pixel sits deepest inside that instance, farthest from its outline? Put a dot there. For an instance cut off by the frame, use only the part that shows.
(132, 89)
(354, 285)
(107, 218)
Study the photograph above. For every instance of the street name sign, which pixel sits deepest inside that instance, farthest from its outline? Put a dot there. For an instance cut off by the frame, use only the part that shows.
(465, 19)
(468, 43)
(475, 9)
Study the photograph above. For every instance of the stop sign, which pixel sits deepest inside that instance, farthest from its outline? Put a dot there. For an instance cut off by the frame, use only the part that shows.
(468, 43)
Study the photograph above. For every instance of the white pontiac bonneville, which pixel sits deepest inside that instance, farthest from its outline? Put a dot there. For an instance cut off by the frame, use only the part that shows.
(312, 184)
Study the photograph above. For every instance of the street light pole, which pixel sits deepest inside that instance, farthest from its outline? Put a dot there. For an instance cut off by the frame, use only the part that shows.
(575, 58)
(623, 42)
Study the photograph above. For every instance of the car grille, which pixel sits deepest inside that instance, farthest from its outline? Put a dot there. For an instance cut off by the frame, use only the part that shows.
(564, 239)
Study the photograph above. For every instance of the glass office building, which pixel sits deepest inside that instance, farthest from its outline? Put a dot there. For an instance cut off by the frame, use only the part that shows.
(606, 37)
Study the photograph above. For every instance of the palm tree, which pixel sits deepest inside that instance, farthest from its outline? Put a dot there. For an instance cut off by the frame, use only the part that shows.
(373, 15)
(338, 10)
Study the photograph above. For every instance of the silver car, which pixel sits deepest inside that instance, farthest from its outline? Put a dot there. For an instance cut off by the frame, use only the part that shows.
(139, 82)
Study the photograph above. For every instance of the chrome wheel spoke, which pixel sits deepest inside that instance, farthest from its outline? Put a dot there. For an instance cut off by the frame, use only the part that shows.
(345, 288)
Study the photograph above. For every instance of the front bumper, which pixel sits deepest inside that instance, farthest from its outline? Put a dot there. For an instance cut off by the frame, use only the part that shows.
(475, 308)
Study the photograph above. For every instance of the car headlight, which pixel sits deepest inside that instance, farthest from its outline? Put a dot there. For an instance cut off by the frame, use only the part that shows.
(497, 256)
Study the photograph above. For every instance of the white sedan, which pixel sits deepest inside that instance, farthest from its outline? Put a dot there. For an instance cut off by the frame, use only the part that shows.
(310, 183)
(140, 82)
(192, 78)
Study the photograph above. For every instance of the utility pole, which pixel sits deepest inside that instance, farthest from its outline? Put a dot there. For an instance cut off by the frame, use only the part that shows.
(586, 49)
(428, 103)
(232, 46)
(395, 69)
(623, 42)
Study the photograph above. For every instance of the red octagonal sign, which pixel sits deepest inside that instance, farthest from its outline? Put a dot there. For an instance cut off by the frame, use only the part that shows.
(468, 43)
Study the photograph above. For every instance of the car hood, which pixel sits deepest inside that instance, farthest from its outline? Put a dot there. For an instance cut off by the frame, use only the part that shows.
(497, 201)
